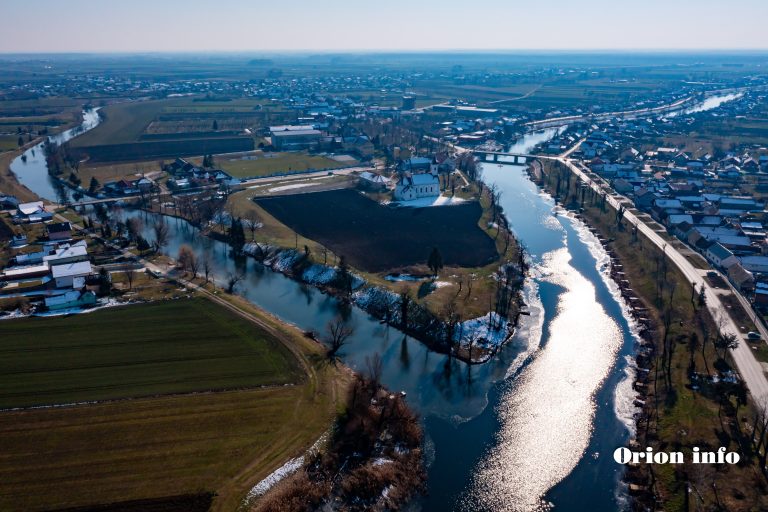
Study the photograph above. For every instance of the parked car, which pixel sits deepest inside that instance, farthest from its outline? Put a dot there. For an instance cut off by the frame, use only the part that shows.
(752, 335)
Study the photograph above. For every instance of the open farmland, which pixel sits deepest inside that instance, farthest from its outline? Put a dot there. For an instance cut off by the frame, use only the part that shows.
(8, 142)
(164, 149)
(144, 350)
(155, 448)
(264, 164)
(375, 238)
(137, 131)
(170, 453)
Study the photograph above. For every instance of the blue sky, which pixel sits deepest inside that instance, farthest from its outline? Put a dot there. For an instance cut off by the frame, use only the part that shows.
(234, 25)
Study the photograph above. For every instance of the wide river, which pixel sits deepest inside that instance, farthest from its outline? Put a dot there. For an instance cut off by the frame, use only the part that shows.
(533, 429)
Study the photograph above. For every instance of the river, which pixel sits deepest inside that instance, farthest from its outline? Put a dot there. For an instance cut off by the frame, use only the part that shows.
(532, 429)
(540, 420)
(33, 171)
(710, 103)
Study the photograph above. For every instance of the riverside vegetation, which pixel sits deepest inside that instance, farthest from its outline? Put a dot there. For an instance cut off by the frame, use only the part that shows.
(684, 372)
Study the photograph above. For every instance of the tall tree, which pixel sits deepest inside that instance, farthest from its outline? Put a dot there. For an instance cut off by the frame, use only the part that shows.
(161, 235)
(237, 236)
(435, 261)
(338, 332)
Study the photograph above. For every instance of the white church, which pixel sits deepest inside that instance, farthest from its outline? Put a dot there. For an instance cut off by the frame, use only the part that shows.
(418, 178)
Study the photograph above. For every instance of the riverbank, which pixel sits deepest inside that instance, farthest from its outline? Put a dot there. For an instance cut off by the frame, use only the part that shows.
(474, 341)
(373, 459)
(466, 313)
(682, 383)
(9, 183)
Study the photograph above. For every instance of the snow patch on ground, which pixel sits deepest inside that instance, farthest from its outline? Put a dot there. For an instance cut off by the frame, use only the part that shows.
(283, 471)
(368, 296)
(395, 278)
(319, 274)
(424, 202)
(100, 304)
(273, 478)
(289, 187)
(488, 331)
(283, 260)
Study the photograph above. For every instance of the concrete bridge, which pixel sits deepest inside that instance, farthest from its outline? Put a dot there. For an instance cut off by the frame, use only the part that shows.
(493, 156)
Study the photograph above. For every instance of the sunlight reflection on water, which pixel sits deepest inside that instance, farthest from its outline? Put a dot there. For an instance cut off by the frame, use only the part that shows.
(546, 415)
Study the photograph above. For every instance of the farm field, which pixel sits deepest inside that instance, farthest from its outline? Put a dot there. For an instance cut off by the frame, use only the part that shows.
(151, 449)
(263, 164)
(166, 149)
(125, 134)
(375, 238)
(117, 171)
(8, 142)
(179, 346)
(564, 94)
(171, 453)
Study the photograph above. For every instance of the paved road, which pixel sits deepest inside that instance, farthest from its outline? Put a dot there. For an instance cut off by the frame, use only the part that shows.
(749, 368)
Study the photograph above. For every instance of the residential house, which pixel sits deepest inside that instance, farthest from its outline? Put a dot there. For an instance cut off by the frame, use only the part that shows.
(70, 300)
(59, 230)
(71, 275)
(720, 256)
(741, 278)
(372, 181)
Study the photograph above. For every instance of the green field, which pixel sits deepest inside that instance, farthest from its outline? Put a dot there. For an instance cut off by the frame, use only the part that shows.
(168, 453)
(9, 142)
(153, 448)
(143, 350)
(282, 162)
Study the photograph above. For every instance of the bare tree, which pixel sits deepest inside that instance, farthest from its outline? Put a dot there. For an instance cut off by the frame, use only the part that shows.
(185, 257)
(207, 268)
(130, 276)
(373, 369)
(338, 332)
(760, 431)
(232, 280)
(161, 235)
(194, 265)
(253, 221)
(134, 225)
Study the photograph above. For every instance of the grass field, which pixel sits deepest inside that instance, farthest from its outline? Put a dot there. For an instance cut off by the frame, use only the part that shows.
(167, 450)
(143, 350)
(117, 171)
(375, 238)
(167, 149)
(270, 163)
(154, 448)
(124, 122)
(119, 137)
(9, 142)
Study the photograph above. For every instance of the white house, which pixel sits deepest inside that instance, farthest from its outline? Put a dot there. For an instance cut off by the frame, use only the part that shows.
(71, 274)
(414, 186)
(720, 256)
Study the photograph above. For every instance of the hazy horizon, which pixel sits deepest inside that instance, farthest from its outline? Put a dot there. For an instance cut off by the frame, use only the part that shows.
(239, 26)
